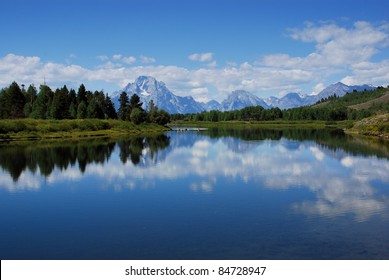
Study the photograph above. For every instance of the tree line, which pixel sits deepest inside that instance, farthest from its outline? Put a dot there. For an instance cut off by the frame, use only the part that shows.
(16, 102)
(333, 108)
(258, 113)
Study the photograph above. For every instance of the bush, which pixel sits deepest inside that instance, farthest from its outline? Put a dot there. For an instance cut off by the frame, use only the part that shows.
(15, 126)
(137, 116)
(162, 117)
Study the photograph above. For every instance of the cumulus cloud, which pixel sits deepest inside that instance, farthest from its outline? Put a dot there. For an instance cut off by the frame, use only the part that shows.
(199, 90)
(376, 73)
(179, 79)
(145, 59)
(129, 59)
(337, 52)
(318, 88)
(335, 46)
(124, 59)
(200, 94)
(102, 57)
(117, 57)
(24, 69)
(201, 57)
(213, 64)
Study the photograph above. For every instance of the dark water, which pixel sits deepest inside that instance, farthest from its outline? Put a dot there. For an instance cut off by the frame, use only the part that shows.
(218, 194)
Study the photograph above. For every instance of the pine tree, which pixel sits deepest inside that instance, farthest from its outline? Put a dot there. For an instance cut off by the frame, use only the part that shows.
(60, 107)
(93, 110)
(81, 110)
(152, 112)
(135, 102)
(72, 111)
(137, 116)
(110, 112)
(81, 94)
(162, 117)
(4, 105)
(31, 96)
(72, 104)
(16, 101)
(124, 106)
(42, 104)
(89, 97)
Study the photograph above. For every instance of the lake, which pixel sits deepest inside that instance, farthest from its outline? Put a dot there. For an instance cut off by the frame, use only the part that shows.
(215, 194)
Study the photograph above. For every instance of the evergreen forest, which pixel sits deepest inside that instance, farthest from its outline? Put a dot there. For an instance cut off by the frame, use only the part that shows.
(17, 102)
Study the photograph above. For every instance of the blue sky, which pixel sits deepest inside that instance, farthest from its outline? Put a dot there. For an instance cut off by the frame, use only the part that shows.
(201, 48)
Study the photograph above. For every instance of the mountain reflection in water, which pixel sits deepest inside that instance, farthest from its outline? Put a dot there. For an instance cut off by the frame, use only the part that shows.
(305, 173)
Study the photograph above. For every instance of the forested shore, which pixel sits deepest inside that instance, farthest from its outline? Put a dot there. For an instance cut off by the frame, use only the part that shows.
(32, 114)
(17, 102)
(44, 113)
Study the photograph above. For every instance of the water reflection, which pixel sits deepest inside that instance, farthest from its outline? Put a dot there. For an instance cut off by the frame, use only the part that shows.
(345, 176)
(22, 161)
(139, 150)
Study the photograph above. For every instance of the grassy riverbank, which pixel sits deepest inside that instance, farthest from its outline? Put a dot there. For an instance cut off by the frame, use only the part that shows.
(376, 126)
(373, 126)
(23, 129)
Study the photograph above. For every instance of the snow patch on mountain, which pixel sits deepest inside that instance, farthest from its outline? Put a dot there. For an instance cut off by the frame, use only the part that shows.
(148, 88)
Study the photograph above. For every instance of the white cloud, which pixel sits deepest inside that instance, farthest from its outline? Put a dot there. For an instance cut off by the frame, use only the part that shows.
(218, 81)
(201, 57)
(145, 59)
(213, 64)
(124, 59)
(199, 90)
(338, 52)
(314, 33)
(200, 94)
(369, 73)
(129, 59)
(102, 57)
(318, 88)
(32, 70)
(117, 57)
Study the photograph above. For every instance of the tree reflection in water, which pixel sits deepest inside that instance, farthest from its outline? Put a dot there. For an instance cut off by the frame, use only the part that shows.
(46, 156)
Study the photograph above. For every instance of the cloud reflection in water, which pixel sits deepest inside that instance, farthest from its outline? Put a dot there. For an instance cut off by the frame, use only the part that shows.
(342, 184)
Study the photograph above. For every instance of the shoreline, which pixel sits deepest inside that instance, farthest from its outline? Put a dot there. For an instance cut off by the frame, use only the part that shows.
(355, 128)
(32, 130)
(280, 124)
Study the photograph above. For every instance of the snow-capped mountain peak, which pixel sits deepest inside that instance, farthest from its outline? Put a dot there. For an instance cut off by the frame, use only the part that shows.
(148, 88)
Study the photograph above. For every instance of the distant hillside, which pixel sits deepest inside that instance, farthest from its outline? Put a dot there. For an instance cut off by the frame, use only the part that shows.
(384, 99)
(377, 100)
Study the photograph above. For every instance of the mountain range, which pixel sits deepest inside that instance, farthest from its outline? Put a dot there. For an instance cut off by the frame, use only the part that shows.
(148, 88)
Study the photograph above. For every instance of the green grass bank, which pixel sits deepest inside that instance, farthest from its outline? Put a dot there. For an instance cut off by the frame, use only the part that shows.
(373, 126)
(24, 129)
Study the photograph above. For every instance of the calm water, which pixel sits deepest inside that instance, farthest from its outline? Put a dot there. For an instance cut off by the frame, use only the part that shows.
(227, 194)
